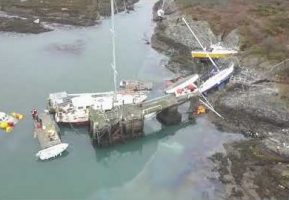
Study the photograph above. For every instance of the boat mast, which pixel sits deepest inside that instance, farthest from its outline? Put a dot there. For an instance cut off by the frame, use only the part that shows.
(113, 65)
(163, 4)
(124, 4)
(212, 61)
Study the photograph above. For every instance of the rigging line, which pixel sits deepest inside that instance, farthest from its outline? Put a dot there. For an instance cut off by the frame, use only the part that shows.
(212, 109)
(215, 65)
(203, 96)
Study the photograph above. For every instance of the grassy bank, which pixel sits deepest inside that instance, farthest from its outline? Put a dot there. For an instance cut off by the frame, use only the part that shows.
(263, 24)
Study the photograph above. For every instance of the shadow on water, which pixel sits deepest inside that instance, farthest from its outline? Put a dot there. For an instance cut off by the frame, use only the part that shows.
(138, 144)
(65, 128)
(123, 162)
(133, 145)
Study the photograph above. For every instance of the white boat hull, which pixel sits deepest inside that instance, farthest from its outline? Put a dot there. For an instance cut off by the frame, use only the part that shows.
(217, 79)
(215, 51)
(52, 152)
(182, 84)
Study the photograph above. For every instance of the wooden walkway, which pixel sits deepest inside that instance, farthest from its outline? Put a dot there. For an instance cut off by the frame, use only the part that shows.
(47, 131)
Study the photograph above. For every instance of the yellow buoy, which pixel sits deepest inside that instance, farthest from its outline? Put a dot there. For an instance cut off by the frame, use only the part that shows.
(17, 115)
(4, 125)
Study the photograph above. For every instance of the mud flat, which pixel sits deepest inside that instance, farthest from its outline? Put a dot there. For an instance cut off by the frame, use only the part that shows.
(18, 16)
(21, 26)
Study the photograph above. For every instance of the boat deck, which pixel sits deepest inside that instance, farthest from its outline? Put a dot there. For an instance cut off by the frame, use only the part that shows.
(46, 131)
(182, 82)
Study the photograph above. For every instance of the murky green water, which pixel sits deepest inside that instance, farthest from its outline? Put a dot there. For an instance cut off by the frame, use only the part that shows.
(169, 163)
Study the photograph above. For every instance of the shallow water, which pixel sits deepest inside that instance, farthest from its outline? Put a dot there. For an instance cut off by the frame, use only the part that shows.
(168, 163)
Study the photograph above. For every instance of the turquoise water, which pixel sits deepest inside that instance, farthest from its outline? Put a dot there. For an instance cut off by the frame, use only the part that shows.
(168, 163)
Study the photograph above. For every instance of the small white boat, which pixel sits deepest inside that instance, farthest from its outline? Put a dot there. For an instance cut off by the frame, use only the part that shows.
(52, 152)
(217, 79)
(182, 84)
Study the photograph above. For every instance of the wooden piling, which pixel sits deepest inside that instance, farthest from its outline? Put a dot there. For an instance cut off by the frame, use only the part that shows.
(127, 121)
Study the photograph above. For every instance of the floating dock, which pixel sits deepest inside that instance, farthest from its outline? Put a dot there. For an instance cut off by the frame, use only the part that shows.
(47, 133)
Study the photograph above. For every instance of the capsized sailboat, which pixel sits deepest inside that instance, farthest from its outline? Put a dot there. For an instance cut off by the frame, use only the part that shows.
(186, 86)
(219, 76)
(215, 51)
(217, 79)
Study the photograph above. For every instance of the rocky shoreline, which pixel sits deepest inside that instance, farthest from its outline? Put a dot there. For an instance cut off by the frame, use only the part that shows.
(19, 16)
(21, 26)
(255, 103)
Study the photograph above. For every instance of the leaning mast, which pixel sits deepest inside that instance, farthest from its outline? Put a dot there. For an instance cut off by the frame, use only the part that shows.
(212, 61)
